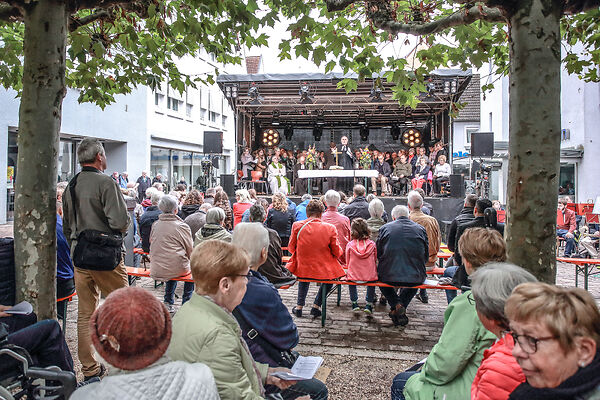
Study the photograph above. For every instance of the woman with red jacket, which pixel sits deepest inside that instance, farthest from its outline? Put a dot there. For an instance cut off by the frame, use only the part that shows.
(315, 253)
(499, 373)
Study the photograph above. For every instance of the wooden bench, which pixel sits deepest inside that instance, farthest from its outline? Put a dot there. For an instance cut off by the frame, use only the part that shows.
(339, 283)
(145, 273)
(583, 266)
(66, 300)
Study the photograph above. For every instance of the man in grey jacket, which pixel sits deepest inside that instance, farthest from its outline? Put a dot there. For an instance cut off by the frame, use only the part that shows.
(99, 205)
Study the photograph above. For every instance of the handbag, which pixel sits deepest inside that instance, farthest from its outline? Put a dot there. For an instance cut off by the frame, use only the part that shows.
(95, 250)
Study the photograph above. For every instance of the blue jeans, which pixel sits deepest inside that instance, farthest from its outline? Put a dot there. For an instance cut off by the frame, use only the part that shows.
(303, 291)
(404, 296)
(170, 286)
(449, 273)
(398, 384)
(354, 293)
(312, 387)
(570, 246)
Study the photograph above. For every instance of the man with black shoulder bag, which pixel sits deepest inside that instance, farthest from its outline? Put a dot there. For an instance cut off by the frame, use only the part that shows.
(267, 326)
(95, 218)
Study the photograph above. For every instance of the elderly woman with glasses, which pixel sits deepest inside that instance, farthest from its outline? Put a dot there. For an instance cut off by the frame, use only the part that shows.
(452, 363)
(205, 331)
(557, 333)
(499, 374)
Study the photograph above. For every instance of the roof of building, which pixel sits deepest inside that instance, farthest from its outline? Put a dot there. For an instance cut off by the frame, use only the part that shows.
(472, 99)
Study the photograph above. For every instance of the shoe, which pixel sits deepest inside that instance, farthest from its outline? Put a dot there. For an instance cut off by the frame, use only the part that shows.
(368, 309)
(170, 308)
(297, 312)
(382, 300)
(315, 312)
(355, 306)
(398, 316)
(423, 297)
(97, 376)
(87, 382)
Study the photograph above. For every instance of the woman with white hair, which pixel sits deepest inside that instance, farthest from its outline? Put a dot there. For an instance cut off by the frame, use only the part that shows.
(214, 228)
(243, 202)
(376, 221)
(170, 250)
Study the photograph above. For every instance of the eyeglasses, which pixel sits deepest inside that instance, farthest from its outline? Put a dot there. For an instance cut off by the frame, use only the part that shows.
(527, 343)
(248, 275)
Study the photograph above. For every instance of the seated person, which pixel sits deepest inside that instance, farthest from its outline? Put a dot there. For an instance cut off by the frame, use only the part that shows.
(361, 258)
(272, 268)
(214, 228)
(278, 182)
(402, 252)
(566, 225)
(384, 170)
(148, 218)
(139, 360)
(204, 330)
(452, 363)
(170, 250)
(280, 218)
(65, 284)
(421, 173)
(441, 174)
(499, 374)
(262, 310)
(401, 175)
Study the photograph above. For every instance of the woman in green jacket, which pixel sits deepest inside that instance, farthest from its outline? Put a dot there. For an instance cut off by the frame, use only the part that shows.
(452, 364)
(204, 330)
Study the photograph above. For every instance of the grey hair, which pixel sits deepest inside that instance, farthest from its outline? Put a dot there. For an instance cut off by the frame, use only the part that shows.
(376, 208)
(205, 207)
(332, 198)
(243, 195)
(306, 197)
(149, 191)
(415, 201)
(370, 197)
(252, 237)
(168, 204)
(155, 197)
(210, 192)
(400, 211)
(257, 213)
(359, 190)
(215, 216)
(491, 286)
(132, 193)
(88, 149)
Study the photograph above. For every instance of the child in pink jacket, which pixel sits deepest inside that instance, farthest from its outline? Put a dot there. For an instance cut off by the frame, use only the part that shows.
(361, 257)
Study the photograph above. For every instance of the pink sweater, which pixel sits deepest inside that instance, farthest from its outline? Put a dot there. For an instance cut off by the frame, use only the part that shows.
(361, 257)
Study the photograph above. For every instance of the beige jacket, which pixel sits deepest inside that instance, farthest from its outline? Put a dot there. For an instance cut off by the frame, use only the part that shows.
(100, 206)
(171, 246)
(433, 234)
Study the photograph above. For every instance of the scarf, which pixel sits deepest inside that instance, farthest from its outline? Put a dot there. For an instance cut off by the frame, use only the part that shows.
(582, 382)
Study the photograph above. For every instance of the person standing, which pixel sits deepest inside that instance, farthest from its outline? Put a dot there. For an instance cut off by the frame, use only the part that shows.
(123, 180)
(98, 205)
(346, 161)
(300, 184)
(142, 184)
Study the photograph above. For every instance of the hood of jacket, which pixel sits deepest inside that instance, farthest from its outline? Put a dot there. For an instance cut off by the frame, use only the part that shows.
(363, 248)
(211, 229)
(190, 208)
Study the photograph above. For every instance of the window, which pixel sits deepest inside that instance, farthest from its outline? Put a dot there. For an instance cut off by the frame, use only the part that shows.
(172, 104)
(202, 113)
(188, 110)
(212, 116)
(468, 132)
(224, 119)
(158, 99)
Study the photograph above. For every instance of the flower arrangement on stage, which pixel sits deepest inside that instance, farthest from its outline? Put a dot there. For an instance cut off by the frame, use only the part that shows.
(365, 159)
(311, 157)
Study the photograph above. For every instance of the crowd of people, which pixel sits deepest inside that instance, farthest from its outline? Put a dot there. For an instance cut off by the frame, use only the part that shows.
(401, 170)
(505, 336)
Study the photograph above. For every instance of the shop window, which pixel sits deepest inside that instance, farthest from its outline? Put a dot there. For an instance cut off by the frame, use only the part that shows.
(566, 181)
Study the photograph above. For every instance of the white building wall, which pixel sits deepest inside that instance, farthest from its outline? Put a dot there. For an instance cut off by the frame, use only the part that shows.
(9, 118)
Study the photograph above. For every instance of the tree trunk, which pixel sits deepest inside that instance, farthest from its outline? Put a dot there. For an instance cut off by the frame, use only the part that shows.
(38, 140)
(534, 145)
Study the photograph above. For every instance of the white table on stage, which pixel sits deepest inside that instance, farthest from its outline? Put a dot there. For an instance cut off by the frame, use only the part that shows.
(336, 173)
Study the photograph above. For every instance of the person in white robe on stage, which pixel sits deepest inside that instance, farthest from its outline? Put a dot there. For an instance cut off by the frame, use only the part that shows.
(277, 179)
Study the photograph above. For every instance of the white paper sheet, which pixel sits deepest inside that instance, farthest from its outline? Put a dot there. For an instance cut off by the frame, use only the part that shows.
(304, 368)
(23, 308)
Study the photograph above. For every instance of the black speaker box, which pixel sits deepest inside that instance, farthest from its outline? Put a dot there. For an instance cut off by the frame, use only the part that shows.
(457, 186)
(227, 182)
(482, 144)
(215, 162)
(213, 142)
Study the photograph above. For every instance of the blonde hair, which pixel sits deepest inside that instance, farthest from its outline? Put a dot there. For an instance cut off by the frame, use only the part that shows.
(481, 245)
(566, 312)
(213, 260)
(279, 202)
(442, 157)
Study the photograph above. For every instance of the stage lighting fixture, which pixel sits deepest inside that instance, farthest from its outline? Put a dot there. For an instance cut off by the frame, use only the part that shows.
(254, 94)
(430, 87)
(288, 132)
(270, 137)
(395, 131)
(362, 119)
(450, 86)
(304, 93)
(320, 117)
(231, 91)
(317, 133)
(412, 137)
(364, 133)
(275, 119)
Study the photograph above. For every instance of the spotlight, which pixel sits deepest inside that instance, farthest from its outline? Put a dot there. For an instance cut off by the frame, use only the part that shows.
(231, 91)
(320, 117)
(304, 93)
(364, 133)
(288, 132)
(411, 137)
(362, 119)
(275, 120)
(317, 133)
(270, 137)
(254, 94)
(395, 132)
(450, 86)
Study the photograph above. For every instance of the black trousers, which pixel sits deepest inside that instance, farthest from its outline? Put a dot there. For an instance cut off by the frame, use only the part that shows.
(404, 296)
(437, 183)
(64, 288)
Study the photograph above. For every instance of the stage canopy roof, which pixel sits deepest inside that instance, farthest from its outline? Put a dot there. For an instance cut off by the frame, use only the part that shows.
(279, 97)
